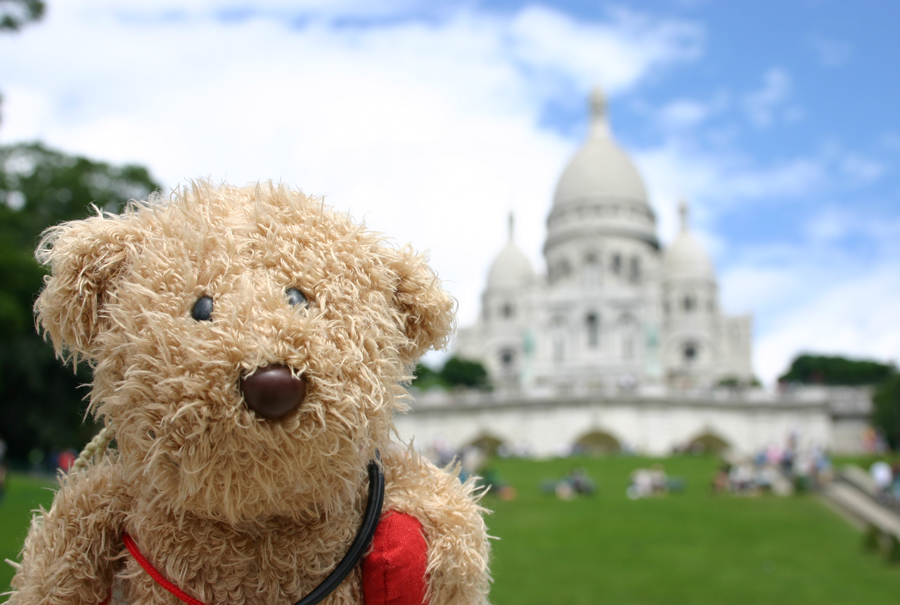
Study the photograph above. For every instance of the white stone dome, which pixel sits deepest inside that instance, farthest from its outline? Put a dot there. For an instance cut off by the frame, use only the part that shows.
(600, 193)
(686, 258)
(511, 268)
(600, 169)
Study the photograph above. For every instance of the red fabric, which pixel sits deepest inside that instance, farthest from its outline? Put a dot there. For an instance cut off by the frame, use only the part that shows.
(393, 573)
(156, 575)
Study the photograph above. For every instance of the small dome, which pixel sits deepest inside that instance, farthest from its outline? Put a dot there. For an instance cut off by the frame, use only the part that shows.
(686, 258)
(600, 169)
(511, 268)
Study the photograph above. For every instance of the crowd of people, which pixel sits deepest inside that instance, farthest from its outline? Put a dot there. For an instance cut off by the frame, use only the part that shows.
(646, 482)
(774, 469)
(575, 483)
(779, 470)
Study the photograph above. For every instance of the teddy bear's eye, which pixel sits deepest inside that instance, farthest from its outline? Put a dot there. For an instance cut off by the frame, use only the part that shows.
(295, 297)
(202, 309)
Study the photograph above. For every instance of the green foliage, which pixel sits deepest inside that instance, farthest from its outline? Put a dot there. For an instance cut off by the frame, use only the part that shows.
(456, 373)
(40, 401)
(836, 371)
(15, 14)
(459, 372)
(886, 410)
(871, 541)
(892, 549)
(734, 382)
(426, 378)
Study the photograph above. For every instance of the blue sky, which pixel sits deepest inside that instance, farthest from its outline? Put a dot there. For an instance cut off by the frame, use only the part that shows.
(433, 120)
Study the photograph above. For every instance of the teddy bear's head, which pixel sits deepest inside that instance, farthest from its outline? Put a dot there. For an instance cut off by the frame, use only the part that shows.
(247, 343)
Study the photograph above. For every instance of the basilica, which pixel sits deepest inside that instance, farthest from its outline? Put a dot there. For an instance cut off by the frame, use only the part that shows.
(614, 309)
(621, 345)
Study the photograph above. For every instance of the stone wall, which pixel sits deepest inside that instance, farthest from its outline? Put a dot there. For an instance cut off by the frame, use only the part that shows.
(644, 422)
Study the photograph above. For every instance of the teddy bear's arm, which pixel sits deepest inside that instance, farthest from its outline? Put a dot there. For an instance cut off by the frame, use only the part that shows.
(452, 520)
(68, 555)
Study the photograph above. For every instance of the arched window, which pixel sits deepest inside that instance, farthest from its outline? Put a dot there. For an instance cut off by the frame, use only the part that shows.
(591, 271)
(690, 351)
(689, 303)
(508, 311)
(507, 360)
(617, 263)
(593, 330)
(634, 273)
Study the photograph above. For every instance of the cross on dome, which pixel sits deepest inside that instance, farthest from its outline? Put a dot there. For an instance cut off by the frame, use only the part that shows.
(598, 103)
(599, 118)
(683, 212)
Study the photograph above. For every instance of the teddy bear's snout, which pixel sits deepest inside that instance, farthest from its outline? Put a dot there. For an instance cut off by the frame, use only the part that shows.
(273, 391)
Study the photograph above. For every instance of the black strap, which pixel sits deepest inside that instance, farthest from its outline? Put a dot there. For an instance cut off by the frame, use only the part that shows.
(360, 543)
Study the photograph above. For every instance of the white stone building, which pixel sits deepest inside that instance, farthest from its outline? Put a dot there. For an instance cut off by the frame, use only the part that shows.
(621, 344)
(614, 307)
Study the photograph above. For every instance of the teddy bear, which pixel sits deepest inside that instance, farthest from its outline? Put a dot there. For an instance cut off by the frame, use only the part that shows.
(249, 347)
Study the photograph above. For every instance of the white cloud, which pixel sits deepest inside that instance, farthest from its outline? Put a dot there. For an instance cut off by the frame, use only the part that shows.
(427, 129)
(546, 39)
(202, 9)
(714, 180)
(761, 105)
(813, 295)
(852, 315)
(812, 291)
(683, 113)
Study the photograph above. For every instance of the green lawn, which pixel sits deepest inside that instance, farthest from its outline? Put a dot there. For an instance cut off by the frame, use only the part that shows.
(686, 548)
(679, 549)
(23, 495)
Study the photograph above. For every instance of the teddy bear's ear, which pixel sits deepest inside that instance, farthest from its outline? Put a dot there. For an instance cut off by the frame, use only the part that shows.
(84, 258)
(426, 310)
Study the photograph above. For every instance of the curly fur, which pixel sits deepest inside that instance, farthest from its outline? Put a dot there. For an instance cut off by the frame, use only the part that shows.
(229, 506)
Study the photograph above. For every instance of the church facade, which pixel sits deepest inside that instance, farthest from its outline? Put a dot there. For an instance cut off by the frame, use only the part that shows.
(621, 345)
(614, 309)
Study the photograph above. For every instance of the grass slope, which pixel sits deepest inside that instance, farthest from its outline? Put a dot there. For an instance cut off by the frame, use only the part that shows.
(23, 495)
(689, 548)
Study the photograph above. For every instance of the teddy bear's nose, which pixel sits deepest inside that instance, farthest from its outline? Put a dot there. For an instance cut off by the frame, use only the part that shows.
(273, 392)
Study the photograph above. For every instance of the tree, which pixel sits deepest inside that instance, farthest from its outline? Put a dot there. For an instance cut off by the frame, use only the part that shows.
(426, 378)
(15, 14)
(464, 373)
(836, 371)
(41, 402)
(886, 410)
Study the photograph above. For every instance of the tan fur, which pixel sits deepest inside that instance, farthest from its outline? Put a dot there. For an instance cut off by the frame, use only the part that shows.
(232, 508)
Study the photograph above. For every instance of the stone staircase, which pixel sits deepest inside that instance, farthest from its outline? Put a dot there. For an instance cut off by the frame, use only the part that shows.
(854, 492)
